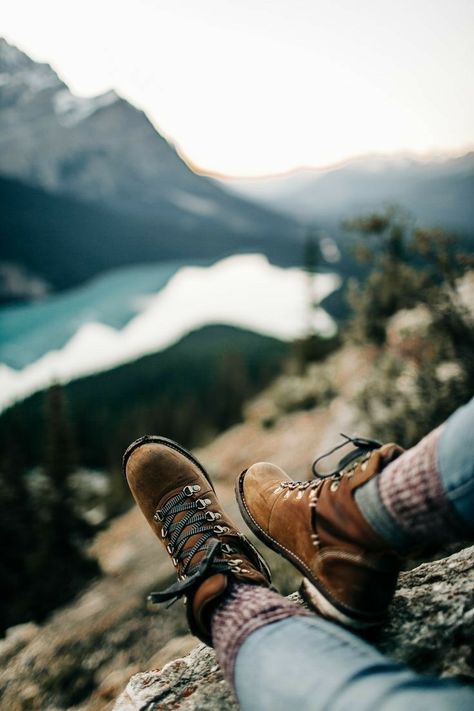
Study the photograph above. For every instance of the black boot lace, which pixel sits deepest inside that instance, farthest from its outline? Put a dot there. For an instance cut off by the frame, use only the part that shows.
(362, 446)
(197, 520)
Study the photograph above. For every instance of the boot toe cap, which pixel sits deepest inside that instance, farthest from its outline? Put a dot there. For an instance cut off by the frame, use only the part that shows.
(256, 488)
(147, 461)
(156, 470)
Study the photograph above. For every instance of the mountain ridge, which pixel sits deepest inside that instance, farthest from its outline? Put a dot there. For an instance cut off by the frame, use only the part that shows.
(88, 184)
(104, 149)
(367, 182)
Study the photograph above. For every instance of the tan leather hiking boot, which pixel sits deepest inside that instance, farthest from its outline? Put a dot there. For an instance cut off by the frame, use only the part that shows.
(349, 572)
(178, 500)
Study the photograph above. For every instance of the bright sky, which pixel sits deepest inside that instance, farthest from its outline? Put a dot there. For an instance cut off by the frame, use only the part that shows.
(248, 87)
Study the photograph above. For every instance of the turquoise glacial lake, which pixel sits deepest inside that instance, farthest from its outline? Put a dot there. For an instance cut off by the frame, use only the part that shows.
(28, 331)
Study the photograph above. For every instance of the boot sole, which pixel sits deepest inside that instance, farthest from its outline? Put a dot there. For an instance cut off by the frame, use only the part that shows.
(157, 439)
(310, 590)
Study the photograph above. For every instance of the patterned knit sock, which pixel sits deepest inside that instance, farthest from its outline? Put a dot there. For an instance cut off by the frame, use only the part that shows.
(243, 610)
(406, 504)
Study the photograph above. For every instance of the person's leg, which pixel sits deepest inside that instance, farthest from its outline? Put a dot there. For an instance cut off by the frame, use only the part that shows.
(426, 496)
(310, 664)
(423, 495)
(456, 463)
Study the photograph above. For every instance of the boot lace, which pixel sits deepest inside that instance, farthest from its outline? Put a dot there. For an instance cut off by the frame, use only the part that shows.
(196, 521)
(362, 446)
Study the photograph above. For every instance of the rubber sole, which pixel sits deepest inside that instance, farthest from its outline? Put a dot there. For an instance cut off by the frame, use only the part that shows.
(311, 591)
(157, 439)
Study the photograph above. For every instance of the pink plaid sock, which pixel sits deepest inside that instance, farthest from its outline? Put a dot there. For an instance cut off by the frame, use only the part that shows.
(407, 504)
(243, 610)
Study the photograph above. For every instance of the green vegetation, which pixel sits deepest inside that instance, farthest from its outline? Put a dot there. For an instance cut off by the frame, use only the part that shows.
(188, 392)
(417, 385)
(43, 536)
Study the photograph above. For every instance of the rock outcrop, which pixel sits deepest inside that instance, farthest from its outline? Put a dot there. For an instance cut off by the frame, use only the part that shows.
(431, 628)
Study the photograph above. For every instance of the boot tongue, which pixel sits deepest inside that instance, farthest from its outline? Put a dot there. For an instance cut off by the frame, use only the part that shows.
(208, 592)
(338, 514)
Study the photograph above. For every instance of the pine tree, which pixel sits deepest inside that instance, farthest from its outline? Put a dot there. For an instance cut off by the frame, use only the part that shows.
(59, 566)
(15, 521)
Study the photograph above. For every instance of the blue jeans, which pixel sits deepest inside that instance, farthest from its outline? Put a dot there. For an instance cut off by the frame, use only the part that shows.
(310, 664)
(456, 464)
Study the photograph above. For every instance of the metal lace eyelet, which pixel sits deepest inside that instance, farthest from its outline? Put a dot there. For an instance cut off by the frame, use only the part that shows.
(220, 529)
(158, 516)
(189, 490)
(335, 485)
(236, 569)
(175, 562)
(170, 549)
(212, 516)
(225, 548)
(235, 561)
(164, 531)
(202, 503)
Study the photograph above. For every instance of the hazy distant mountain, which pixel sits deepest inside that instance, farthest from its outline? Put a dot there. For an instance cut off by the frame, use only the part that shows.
(104, 150)
(437, 191)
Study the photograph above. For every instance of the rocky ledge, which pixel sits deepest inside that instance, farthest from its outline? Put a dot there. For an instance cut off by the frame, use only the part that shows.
(431, 628)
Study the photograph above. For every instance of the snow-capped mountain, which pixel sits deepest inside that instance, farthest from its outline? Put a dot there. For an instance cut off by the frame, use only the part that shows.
(105, 150)
(89, 184)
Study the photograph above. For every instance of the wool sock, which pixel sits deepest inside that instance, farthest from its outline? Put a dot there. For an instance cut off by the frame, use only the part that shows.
(243, 610)
(406, 505)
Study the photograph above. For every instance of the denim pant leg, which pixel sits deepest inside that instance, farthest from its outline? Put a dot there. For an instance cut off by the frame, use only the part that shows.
(456, 463)
(310, 664)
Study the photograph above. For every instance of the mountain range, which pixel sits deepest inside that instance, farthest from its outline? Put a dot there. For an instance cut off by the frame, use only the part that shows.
(437, 191)
(89, 184)
(92, 178)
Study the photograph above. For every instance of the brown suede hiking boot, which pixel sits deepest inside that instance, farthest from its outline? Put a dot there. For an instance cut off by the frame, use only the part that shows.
(178, 500)
(350, 572)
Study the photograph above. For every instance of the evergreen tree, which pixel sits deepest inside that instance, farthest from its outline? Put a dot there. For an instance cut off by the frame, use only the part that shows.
(59, 566)
(15, 533)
